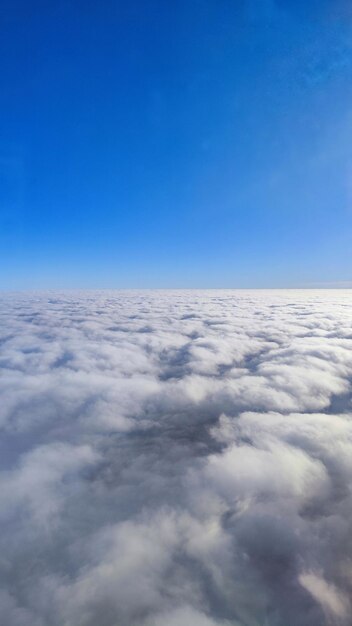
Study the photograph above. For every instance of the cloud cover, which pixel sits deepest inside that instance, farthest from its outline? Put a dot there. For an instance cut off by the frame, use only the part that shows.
(179, 457)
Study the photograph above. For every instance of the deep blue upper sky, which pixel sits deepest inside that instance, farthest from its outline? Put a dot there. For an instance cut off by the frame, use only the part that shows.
(193, 143)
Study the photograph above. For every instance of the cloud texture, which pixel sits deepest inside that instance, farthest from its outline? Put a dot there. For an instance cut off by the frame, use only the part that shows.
(176, 458)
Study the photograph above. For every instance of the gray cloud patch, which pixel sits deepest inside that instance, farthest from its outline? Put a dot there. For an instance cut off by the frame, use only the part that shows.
(176, 458)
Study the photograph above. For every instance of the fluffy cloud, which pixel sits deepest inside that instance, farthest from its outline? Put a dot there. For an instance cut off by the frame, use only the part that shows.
(176, 458)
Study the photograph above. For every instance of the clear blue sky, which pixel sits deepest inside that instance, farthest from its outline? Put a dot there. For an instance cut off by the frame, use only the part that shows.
(192, 143)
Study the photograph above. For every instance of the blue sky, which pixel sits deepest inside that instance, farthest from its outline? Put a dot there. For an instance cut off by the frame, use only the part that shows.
(175, 144)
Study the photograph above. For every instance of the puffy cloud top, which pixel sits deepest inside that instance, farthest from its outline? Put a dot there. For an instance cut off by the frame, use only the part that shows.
(176, 458)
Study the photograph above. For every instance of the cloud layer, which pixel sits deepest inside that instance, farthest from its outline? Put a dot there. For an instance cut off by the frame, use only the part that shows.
(176, 458)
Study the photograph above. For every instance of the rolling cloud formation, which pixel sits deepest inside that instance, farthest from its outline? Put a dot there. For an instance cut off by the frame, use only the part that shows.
(176, 458)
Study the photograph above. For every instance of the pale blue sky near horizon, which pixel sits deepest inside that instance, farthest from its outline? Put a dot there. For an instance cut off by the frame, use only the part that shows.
(191, 144)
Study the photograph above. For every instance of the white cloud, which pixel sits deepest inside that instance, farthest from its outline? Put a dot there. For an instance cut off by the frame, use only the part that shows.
(176, 458)
(333, 601)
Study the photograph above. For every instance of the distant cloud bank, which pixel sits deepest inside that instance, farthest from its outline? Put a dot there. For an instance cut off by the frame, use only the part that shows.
(176, 458)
